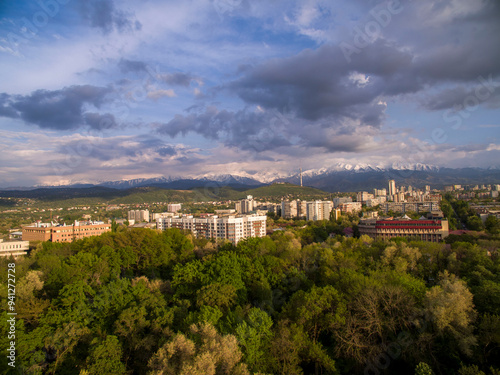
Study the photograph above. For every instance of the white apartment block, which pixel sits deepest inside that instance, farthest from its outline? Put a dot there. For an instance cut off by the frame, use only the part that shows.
(233, 228)
(138, 215)
(157, 215)
(294, 208)
(319, 210)
(245, 206)
(174, 207)
(380, 192)
(14, 248)
(363, 196)
(392, 187)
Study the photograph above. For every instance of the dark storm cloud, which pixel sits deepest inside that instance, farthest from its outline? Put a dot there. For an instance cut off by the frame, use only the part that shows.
(179, 79)
(59, 109)
(318, 84)
(244, 129)
(485, 92)
(132, 66)
(131, 147)
(454, 43)
(6, 109)
(167, 151)
(102, 14)
(99, 121)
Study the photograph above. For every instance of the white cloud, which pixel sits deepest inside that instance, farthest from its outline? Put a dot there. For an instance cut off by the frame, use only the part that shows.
(157, 94)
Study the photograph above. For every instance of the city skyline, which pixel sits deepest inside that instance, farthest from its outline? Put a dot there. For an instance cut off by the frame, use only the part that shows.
(102, 90)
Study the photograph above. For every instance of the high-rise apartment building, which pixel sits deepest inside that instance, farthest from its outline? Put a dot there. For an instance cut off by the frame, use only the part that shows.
(380, 192)
(392, 187)
(363, 196)
(233, 228)
(350, 207)
(294, 208)
(138, 216)
(338, 201)
(245, 206)
(319, 210)
(289, 209)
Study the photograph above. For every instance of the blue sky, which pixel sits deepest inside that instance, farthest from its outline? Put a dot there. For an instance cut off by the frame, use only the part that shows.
(104, 90)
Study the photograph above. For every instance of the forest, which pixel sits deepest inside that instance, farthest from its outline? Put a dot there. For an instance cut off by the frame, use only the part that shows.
(299, 301)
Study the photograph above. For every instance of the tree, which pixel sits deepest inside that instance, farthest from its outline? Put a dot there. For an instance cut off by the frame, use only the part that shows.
(318, 310)
(492, 224)
(451, 310)
(106, 357)
(209, 353)
(254, 334)
(423, 369)
(377, 317)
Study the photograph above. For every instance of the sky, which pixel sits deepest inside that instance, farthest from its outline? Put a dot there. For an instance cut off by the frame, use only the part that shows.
(104, 90)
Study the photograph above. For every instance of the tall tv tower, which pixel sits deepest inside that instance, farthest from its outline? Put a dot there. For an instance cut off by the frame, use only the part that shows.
(301, 176)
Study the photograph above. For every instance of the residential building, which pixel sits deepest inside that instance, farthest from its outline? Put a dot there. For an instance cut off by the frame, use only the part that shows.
(422, 229)
(392, 187)
(380, 192)
(363, 196)
(157, 215)
(414, 206)
(289, 209)
(138, 216)
(174, 207)
(14, 248)
(293, 209)
(233, 228)
(338, 201)
(375, 201)
(319, 210)
(37, 232)
(225, 212)
(245, 206)
(64, 233)
(350, 207)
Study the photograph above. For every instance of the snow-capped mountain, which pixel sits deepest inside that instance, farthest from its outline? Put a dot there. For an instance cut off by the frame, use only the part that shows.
(338, 177)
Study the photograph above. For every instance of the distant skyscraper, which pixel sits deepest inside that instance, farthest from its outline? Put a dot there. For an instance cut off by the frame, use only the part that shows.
(392, 187)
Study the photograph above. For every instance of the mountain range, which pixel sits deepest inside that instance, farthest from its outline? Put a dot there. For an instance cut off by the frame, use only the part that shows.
(338, 178)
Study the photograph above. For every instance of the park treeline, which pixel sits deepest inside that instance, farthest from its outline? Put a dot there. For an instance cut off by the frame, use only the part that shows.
(140, 301)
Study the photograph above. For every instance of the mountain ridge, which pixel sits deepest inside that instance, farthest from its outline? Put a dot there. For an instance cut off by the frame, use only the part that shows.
(339, 177)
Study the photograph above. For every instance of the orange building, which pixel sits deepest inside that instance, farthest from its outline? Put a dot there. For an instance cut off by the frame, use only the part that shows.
(40, 232)
(64, 233)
